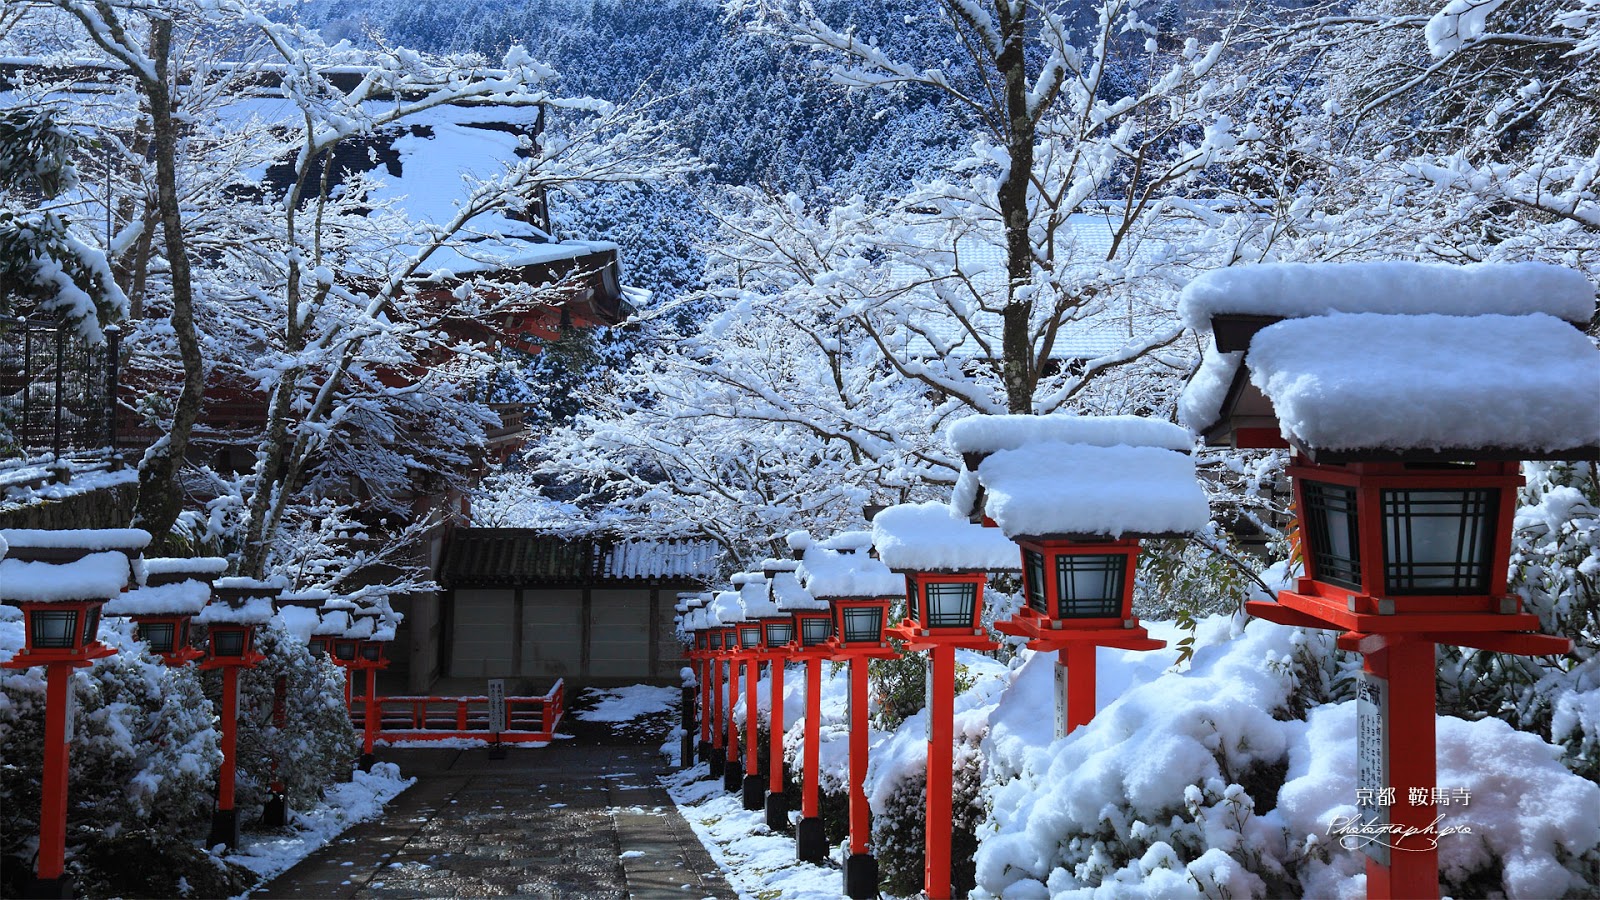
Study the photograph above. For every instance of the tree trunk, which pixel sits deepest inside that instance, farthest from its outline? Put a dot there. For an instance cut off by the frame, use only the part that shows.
(1019, 370)
(159, 495)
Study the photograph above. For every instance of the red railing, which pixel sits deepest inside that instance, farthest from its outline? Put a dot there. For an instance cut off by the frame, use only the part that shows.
(528, 719)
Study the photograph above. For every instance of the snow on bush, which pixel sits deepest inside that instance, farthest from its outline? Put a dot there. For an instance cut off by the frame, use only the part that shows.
(1205, 782)
(144, 753)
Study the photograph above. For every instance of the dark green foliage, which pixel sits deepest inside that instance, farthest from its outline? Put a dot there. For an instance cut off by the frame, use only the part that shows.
(35, 152)
(153, 863)
(899, 835)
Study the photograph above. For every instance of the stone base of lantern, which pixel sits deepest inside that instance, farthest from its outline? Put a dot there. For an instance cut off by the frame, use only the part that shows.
(224, 828)
(732, 777)
(365, 761)
(777, 811)
(718, 761)
(755, 789)
(861, 876)
(686, 751)
(49, 888)
(810, 840)
(703, 751)
(275, 812)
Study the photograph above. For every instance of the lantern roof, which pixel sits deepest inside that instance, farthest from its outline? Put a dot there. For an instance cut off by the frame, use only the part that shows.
(247, 611)
(835, 574)
(798, 541)
(771, 564)
(97, 576)
(1396, 360)
(332, 623)
(727, 608)
(300, 621)
(124, 540)
(200, 568)
(931, 537)
(990, 434)
(344, 604)
(755, 595)
(315, 597)
(251, 587)
(179, 598)
(1128, 477)
(790, 596)
(361, 628)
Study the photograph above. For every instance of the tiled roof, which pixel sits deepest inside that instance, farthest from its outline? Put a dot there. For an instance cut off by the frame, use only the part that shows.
(513, 557)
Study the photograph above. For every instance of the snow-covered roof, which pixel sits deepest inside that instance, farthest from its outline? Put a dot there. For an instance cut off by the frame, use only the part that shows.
(790, 596)
(1357, 382)
(1293, 290)
(1401, 358)
(252, 611)
(987, 434)
(266, 586)
(754, 595)
(778, 565)
(829, 574)
(299, 621)
(200, 566)
(361, 628)
(930, 537)
(332, 623)
(96, 576)
(180, 598)
(124, 539)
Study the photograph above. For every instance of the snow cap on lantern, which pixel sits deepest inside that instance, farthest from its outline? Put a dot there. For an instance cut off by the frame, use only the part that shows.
(857, 588)
(171, 593)
(61, 580)
(752, 590)
(945, 559)
(299, 613)
(813, 617)
(237, 608)
(729, 613)
(1076, 494)
(1410, 394)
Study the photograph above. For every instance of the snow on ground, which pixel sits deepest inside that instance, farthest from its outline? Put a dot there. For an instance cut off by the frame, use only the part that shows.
(756, 862)
(625, 704)
(359, 800)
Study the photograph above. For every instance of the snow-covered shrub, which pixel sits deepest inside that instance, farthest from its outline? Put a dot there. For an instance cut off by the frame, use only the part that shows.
(899, 834)
(144, 753)
(316, 747)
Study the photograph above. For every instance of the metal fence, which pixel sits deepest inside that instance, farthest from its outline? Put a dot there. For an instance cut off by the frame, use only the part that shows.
(57, 390)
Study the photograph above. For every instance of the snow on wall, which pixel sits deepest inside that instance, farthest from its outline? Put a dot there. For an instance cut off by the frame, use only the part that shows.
(1346, 382)
(986, 434)
(930, 537)
(178, 598)
(97, 576)
(829, 573)
(1313, 289)
(1053, 487)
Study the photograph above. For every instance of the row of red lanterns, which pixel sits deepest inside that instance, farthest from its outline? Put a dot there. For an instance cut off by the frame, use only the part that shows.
(63, 582)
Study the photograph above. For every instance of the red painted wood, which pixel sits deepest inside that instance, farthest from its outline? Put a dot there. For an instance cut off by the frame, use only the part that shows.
(860, 814)
(53, 797)
(369, 727)
(229, 740)
(752, 676)
(733, 721)
(775, 731)
(705, 700)
(812, 760)
(1080, 662)
(941, 712)
(716, 704)
(1410, 667)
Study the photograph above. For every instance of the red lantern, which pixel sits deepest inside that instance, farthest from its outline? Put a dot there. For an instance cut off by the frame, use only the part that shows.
(174, 591)
(1405, 476)
(238, 607)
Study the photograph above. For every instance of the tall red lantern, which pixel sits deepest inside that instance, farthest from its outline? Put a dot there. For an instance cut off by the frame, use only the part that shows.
(763, 617)
(858, 590)
(813, 626)
(1077, 494)
(375, 628)
(1408, 393)
(239, 606)
(777, 643)
(729, 612)
(60, 580)
(689, 695)
(945, 562)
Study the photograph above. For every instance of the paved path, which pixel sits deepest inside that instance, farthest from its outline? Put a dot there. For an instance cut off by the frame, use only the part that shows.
(581, 818)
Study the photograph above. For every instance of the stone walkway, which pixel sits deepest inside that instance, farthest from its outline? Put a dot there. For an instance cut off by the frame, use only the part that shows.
(580, 818)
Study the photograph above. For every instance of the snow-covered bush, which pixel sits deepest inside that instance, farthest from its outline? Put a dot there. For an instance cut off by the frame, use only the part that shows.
(144, 753)
(317, 745)
(899, 829)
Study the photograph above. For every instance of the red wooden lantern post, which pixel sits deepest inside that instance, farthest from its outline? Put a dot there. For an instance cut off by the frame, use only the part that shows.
(777, 638)
(732, 774)
(239, 607)
(701, 656)
(60, 580)
(758, 610)
(714, 657)
(689, 695)
(813, 626)
(1405, 477)
(374, 627)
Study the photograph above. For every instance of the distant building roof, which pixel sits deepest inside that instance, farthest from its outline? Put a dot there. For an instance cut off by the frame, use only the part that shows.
(515, 557)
